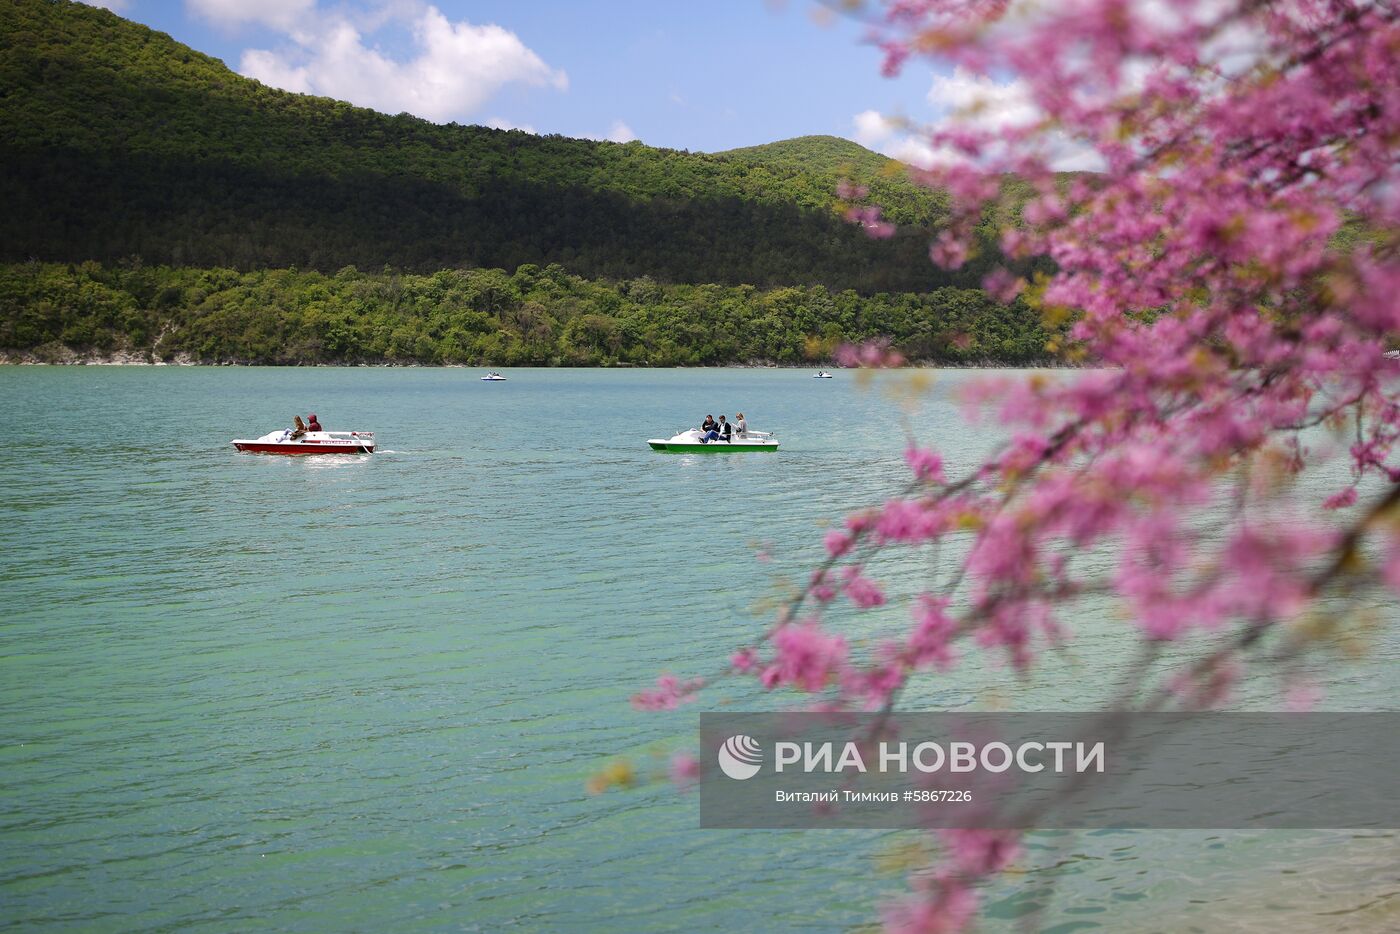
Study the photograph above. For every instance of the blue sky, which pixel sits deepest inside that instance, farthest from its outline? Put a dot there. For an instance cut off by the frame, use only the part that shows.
(690, 74)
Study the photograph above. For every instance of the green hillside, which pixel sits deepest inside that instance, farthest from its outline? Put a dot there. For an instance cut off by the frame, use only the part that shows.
(161, 205)
(480, 316)
(118, 141)
(826, 157)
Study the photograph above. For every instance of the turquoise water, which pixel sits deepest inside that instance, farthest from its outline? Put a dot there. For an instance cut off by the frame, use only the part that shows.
(366, 693)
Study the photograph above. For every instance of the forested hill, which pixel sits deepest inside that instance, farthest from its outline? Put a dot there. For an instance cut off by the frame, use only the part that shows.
(53, 312)
(118, 141)
(828, 157)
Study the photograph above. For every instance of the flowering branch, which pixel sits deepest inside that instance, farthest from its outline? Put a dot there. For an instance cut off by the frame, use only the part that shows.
(1231, 273)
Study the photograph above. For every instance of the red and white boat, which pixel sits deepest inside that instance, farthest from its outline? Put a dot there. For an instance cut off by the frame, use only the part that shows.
(309, 442)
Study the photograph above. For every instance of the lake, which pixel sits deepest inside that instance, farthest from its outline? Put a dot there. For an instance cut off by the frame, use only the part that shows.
(348, 693)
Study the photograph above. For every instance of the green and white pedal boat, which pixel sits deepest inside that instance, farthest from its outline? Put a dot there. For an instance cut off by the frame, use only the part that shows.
(692, 442)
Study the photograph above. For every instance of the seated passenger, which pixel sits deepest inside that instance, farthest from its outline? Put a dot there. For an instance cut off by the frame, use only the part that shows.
(312, 424)
(741, 428)
(723, 430)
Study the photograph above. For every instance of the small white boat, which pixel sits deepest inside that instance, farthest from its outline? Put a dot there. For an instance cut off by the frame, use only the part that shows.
(693, 440)
(493, 378)
(286, 441)
(823, 374)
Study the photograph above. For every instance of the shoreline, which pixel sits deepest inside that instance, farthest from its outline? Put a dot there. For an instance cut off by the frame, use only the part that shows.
(128, 358)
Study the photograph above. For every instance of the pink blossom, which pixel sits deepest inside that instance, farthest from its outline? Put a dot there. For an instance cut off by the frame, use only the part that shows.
(1302, 697)
(1198, 269)
(1003, 285)
(876, 353)
(981, 852)
(1341, 499)
(871, 220)
(805, 657)
(931, 642)
(838, 543)
(670, 692)
(926, 464)
(948, 251)
(862, 591)
(1391, 569)
(684, 770)
(946, 911)
(877, 684)
(846, 190)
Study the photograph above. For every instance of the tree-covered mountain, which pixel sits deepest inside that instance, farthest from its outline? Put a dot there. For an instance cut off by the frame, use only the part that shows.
(156, 203)
(539, 316)
(118, 141)
(830, 157)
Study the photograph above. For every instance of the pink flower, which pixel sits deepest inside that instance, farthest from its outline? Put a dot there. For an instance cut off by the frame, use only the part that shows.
(1390, 571)
(869, 218)
(947, 911)
(1198, 272)
(981, 852)
(670, 692)
(1002, 285)
(878, 683)
(1341, 499)
(926, 464)
(804, 657)
(846, 190)
(684, 770)
(838, 543)
(862, 591)
(948, 251)
(931, 642)
(744, 660)
(1302, 697)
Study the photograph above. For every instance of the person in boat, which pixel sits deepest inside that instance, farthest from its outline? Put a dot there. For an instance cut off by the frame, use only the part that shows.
(299, 430)
(741, 427)
(312, 424)
(724, 431)
(709, 430)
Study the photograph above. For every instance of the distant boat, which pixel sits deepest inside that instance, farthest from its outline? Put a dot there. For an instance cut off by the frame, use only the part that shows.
(493, 378)
(823, 374)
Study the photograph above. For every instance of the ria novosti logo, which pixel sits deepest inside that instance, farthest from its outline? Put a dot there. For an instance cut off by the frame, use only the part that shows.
(740, 757)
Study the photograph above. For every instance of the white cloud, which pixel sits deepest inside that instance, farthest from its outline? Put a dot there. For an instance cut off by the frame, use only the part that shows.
(454, 69)
(970, 100)
(914, 151)
(278, 14)
(873, 129)
(893, 138)
(976, 100)
(272, 70)
(500, 123)
(621, 132)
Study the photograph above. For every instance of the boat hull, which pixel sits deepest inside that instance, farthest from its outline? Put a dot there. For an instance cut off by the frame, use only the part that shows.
(714, 447)
(303, 449)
